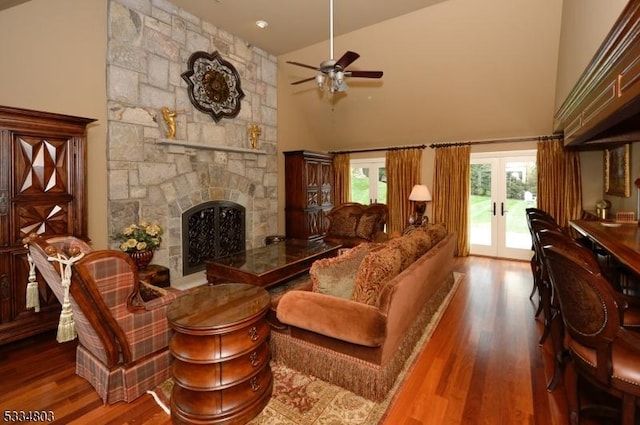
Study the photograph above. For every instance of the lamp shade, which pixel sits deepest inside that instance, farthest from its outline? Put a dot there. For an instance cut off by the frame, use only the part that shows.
(420, 192)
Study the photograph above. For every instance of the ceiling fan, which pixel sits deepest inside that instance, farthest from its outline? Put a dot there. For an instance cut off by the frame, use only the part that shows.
(332, 71)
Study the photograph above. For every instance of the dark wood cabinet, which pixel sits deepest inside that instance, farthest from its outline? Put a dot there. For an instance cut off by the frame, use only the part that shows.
(309, 193)
(42, 190)
(604, 105)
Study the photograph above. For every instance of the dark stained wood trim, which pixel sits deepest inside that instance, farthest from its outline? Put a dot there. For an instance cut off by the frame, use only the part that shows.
(608, 91)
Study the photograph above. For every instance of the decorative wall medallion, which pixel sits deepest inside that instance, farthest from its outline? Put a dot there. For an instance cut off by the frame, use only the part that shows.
(214, 85)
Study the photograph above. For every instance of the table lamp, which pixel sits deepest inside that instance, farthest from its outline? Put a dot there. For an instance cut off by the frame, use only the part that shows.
(420, 195)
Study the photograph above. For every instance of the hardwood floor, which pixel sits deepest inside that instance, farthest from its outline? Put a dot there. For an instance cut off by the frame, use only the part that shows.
(483, 365)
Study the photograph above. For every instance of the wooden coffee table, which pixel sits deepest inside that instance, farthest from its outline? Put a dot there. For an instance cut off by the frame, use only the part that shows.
(269, 265)
(221, 354)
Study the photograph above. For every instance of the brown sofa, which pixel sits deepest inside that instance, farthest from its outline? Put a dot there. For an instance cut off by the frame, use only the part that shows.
(352, 223)
(360, 338)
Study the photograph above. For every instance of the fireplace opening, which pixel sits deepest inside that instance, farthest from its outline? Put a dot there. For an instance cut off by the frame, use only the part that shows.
(211, 230)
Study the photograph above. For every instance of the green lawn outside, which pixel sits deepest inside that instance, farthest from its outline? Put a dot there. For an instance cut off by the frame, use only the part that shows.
(360, 191)
(481, 209)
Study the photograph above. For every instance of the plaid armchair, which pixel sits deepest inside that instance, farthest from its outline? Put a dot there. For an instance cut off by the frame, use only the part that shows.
(123, 333)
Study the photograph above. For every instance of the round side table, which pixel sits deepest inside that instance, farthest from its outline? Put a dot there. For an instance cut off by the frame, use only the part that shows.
(221, 354)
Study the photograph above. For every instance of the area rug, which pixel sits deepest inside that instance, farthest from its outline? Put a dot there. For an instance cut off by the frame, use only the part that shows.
(300, 399)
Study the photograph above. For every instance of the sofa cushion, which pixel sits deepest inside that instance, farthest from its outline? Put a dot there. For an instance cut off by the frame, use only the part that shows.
(336, 275)
(376, 268)
(367, 225)
(344, 225)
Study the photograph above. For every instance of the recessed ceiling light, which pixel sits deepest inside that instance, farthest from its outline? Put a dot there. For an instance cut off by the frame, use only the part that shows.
(262, 24)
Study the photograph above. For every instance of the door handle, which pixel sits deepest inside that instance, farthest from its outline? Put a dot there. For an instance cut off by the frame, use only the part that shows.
(494, 208)
(502, 210)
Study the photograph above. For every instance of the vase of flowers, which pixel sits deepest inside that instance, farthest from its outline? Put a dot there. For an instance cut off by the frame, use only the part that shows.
(139, 241)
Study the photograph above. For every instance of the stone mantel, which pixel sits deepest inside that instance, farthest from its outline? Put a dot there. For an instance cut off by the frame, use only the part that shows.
(195, 145)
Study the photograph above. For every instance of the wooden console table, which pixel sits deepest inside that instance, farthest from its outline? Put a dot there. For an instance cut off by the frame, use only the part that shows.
(271, 264)
(221, 354)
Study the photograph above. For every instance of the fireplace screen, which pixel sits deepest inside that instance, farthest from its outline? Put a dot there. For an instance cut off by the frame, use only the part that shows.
(211, 230)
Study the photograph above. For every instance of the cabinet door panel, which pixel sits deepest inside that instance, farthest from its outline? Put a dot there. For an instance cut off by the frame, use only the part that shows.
(43, 218)
(41, 165)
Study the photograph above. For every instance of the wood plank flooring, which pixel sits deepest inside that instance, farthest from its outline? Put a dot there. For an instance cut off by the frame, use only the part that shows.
(483, 365)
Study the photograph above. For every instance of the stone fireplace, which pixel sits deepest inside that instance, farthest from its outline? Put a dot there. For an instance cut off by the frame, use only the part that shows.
(156, 179)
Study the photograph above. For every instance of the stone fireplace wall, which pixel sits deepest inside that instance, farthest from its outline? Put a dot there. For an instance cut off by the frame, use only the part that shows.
(156, 179)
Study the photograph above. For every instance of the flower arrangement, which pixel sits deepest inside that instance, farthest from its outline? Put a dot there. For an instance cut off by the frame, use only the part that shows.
(142, 236)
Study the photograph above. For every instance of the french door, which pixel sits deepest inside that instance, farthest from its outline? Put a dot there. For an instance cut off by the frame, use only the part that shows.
(503, 185)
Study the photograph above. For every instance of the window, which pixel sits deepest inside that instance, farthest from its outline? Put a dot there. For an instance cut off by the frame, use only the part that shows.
(368, 181)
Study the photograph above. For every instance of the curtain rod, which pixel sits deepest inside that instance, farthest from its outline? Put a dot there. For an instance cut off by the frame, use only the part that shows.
(490, 141)
(393, 148)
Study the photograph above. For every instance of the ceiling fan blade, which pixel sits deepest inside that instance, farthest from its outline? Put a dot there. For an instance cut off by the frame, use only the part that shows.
(315, 68)
(303, 81)
(364, 74)
(347, 59)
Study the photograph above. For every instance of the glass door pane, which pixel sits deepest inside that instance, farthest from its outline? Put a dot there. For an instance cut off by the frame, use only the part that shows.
(368, 181)
(521, 190)
(482, 219)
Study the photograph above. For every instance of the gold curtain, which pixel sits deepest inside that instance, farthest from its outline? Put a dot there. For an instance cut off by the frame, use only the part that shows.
(451, 193)
(403, 171)
(341, 178)
(559, 182)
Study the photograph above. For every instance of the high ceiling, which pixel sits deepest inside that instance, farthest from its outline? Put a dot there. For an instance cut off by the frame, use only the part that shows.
(295, 24)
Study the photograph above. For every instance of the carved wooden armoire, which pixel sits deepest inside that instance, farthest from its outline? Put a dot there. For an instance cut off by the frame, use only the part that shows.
(309, 193)
(42, 190)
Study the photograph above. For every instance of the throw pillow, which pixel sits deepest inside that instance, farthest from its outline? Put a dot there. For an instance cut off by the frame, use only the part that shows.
(342, 225)
(437, 232)
(367, 225)
(336, 276)
(408, 247)
(422, 241)
(377, 268)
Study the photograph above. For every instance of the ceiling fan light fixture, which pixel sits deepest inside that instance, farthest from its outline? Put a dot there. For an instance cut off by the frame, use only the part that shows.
(262, 24)
(334, 72)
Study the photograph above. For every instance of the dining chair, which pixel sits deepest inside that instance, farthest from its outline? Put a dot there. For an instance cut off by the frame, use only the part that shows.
(602, 352)
(545, 220)
(554, 328)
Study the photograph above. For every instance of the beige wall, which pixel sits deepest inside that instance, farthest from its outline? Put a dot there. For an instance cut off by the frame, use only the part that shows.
(53, 59)
(458, 70)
